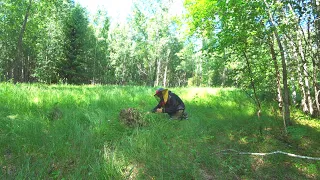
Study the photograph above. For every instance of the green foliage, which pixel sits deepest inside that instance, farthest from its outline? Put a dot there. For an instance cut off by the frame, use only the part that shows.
(57, 44)
(249, 37)
(87, 140)
(226, 43)
(49, 48)
(61, 45)
(73, 67)
(11, 16)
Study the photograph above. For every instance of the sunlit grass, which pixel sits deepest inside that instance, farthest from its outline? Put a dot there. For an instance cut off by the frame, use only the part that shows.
(73, 132)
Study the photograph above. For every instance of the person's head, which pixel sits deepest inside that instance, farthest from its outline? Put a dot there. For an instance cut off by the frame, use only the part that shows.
(161, 94)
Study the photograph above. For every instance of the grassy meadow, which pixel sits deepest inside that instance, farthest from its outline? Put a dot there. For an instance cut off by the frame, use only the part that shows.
(74, 132)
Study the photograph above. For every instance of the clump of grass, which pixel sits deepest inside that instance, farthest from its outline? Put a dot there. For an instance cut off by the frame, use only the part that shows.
(74, 132)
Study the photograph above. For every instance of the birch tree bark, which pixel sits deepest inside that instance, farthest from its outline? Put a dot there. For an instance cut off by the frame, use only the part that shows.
(316, 58)
(302, 49)
(316, 7)
(305, 77)
(286, 112)
(157, 72)
(277, 74)
(166, 69)
(294, 55)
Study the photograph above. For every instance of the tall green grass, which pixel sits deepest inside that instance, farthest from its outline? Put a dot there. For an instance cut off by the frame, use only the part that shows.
(74, 132)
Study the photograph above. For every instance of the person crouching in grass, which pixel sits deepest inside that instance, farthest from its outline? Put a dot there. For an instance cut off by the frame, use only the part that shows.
(169, 103)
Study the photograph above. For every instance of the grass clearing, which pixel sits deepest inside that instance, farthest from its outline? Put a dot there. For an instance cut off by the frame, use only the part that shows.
(73, 132)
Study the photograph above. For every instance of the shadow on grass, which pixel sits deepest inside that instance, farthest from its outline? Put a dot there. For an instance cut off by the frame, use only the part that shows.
(228, 121)
(88, 141)
(192, 149)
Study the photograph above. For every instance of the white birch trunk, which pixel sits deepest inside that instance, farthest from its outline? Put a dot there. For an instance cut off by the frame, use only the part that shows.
(166, 69)
(306, 77)
(158, 73)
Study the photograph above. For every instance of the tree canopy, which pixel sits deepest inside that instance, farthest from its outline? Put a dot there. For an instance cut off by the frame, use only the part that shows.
(268, 48)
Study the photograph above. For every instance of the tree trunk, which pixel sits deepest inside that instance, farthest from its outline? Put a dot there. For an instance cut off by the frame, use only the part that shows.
(316, 55)
(165, 75)
(315, 85)
(166, 69)
(316, 9)
(199, 72)
(304, 103)
(157, 72)
(151, 72)
(9, 70)
(124, 78)
(256, 99)
(304, 100)
(224, 76)
(277, 73)
(303, 55)
(306, 78)
(18, 64)
(286, 112)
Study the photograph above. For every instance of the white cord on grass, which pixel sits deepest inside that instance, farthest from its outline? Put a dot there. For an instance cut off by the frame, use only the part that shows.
(274, 152)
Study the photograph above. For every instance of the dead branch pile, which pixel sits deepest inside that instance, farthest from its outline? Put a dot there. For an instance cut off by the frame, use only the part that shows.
(131, 117)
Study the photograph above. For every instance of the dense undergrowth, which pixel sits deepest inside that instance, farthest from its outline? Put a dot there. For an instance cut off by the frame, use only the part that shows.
(74, 132)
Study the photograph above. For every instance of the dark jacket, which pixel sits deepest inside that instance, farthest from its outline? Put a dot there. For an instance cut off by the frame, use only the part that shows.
(174, 104)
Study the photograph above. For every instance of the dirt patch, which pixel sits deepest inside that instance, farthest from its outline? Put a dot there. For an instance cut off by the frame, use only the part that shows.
(206, 175)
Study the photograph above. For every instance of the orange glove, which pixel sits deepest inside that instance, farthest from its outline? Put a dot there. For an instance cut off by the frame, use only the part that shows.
(159, 110)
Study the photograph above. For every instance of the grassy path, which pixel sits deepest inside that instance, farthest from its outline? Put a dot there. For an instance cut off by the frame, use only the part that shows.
(73, 132)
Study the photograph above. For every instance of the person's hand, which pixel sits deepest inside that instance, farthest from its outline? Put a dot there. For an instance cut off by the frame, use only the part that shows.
(159, 110)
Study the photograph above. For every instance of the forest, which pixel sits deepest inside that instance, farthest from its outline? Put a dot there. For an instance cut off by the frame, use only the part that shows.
(266, 49)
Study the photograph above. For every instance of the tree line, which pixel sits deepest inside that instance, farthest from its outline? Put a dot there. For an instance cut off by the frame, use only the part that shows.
(57, 42)
(268, 47)
(48, 41)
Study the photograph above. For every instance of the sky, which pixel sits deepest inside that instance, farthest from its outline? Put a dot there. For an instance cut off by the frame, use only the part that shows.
(118, 10)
